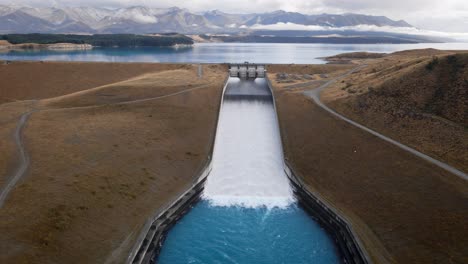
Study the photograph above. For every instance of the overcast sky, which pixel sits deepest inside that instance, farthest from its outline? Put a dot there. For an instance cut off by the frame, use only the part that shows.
(441, 15)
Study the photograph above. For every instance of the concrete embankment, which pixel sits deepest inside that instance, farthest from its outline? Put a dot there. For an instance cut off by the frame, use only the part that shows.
(348, 243)
(390, 197)
(151, 238)
(152, 235)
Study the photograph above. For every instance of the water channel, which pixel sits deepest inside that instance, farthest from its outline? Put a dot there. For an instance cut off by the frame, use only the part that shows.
(248, 213)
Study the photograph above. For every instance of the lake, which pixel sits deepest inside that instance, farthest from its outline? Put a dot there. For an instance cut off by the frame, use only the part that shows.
(221, 52)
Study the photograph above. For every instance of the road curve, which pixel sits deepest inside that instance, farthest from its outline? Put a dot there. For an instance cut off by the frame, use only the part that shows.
(23, 158)
(315, 96)
(164, 96)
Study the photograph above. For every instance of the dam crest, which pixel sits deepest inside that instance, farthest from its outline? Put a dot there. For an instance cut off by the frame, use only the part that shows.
(247, 70)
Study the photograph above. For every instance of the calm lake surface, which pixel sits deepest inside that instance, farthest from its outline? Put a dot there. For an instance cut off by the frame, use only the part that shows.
(221, 52)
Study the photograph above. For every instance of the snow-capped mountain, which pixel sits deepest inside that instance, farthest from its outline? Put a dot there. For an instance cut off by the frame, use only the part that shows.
(141, 19)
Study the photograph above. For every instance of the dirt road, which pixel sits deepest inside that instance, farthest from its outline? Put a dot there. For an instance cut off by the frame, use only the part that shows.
(24, 161)
(315, 96)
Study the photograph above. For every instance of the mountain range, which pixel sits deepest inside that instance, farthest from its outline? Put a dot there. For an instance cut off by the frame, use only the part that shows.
(141, 19)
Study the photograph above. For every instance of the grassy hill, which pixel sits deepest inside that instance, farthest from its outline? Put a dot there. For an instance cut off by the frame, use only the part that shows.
(99, 169)
(437, 87)
(416, 99)
(403, 209)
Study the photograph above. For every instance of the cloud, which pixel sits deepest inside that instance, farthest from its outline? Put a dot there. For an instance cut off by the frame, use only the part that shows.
(360, 5)
(365, 28)
(139, 18)
(144, 19)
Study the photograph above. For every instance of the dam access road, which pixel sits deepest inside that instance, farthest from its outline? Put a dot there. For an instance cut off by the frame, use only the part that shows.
(91, 185)
(403, 208)
(314, 94)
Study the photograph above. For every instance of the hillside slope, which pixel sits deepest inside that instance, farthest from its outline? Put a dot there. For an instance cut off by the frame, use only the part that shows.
(418, 100)
(403, 208)
(101, 162)
(23, 80)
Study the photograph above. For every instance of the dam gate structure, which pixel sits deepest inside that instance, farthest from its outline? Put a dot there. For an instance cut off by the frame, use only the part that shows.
(247, 70)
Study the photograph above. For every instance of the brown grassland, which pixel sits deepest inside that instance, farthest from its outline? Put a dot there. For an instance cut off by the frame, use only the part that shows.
(404, 209)
(100, 167)
(53, 79)
(419, 100)
(112, 143)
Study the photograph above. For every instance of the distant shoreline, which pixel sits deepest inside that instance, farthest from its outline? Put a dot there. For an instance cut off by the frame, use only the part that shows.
(5, 45)
(84, 42)
(280, 37)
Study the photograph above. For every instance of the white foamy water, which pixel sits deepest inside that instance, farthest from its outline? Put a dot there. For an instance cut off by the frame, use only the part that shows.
(248, 158)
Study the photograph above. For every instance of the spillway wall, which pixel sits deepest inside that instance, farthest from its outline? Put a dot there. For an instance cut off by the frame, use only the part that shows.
(347, 242)
(152, 235)
(150, 241)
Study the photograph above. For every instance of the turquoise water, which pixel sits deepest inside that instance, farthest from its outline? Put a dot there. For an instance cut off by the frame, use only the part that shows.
(221, 52)
(248, 213)
(215, 234)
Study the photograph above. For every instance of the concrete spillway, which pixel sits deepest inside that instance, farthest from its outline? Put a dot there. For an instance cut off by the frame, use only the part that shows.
(247, 213)
(248, 90)
(247, 160)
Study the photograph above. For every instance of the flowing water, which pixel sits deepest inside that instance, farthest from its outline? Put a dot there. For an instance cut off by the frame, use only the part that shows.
(247, 159)
(248, 213)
